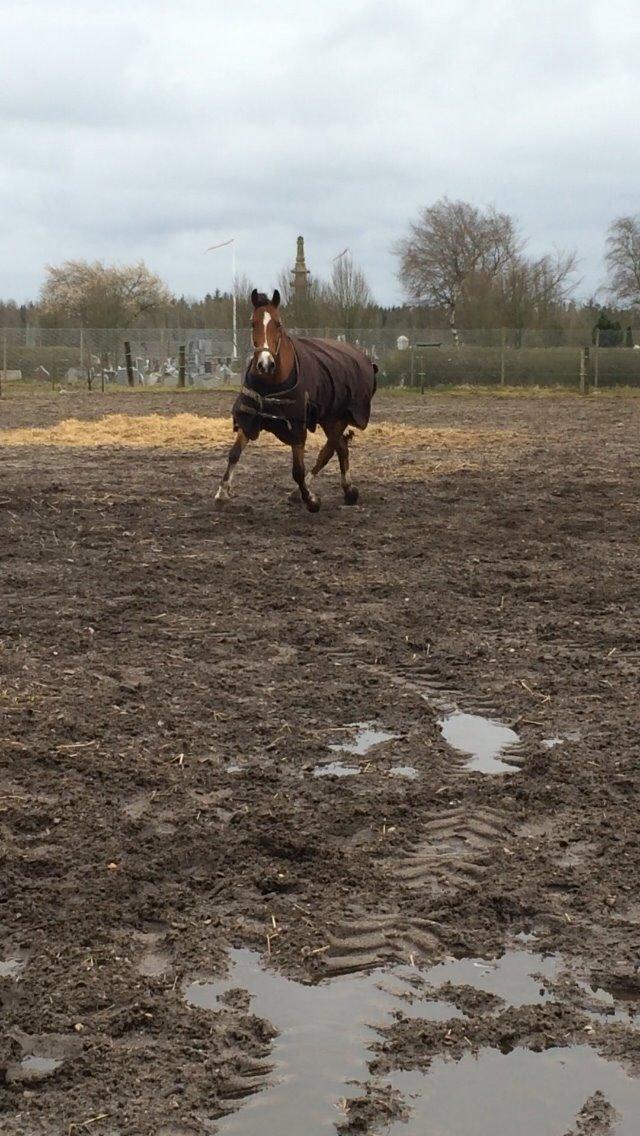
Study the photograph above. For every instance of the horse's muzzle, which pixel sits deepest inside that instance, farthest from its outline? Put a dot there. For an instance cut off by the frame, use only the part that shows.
(265, 363)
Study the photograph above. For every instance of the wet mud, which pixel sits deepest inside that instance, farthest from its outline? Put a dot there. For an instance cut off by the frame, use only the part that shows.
(200, 918)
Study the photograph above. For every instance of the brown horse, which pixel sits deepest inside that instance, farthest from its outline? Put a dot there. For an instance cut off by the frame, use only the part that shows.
(292, 385)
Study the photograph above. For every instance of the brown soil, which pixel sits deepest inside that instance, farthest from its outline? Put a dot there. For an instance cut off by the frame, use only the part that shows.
(149, 645)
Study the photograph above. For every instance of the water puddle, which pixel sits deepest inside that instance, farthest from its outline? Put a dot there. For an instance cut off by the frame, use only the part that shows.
(367, 735)
(336, 769)
(484, 1095)
(600, 1004)
(510, 976)
(324, 1031)
(153, 964)
(526, 937)
(11, 968)
(407, 771)
(481, 739)
(32, 1068)
(560, 739)
(137, 805)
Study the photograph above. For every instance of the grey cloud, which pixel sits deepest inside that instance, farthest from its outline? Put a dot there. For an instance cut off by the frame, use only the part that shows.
(137, 129)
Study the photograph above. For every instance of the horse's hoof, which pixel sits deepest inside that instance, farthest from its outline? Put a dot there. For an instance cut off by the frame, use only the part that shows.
(295, 497)
(351, 495)
(219, 503)
(313, 505)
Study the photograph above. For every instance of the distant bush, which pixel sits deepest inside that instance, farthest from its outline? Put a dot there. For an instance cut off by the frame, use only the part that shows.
(56, 360)
(528, 366)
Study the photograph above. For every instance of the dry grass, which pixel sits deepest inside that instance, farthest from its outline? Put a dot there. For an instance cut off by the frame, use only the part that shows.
(194, 431)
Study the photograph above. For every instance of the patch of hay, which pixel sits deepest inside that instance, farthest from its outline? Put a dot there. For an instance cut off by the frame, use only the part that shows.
(179, 432)
(195, 431)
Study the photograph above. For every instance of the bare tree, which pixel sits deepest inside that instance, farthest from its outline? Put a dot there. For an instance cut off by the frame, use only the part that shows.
(348, 292)
(100, 295)
(623, 259)
(450, 244)
(534, 291)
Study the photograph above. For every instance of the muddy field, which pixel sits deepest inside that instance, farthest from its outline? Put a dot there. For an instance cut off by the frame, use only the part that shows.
(200, 890)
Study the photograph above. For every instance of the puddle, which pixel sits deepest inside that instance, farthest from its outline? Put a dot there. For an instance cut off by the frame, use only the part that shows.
(408, 771)
(32, 1068)
(136, 806)
(42, 1065)
(428, 1011)
(600, 1004)
(481, 739)
(336, 769)
(509, 976)
(526, 937)
(367, 735)
(324, 1031)
(153, 964)
(10, 968)
(484, 1095)
(560, 739)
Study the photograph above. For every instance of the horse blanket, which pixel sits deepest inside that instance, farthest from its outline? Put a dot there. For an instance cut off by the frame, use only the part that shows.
(330, 380)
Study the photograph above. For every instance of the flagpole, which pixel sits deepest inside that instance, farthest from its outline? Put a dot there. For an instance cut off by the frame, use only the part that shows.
(234, 300)
(235, 306)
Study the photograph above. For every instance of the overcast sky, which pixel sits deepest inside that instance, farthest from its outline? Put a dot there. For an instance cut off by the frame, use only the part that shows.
(147, 130)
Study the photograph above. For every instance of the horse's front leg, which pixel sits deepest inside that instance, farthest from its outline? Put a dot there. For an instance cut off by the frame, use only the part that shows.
(310, 499)
(223, 494)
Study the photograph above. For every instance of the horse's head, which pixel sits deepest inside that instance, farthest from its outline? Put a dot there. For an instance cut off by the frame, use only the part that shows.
(266, 332)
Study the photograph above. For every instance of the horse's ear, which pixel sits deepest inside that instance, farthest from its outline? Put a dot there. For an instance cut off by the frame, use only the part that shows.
(275, 299)
(254, 297)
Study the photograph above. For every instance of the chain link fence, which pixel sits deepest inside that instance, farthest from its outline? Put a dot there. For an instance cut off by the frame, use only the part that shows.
(33, 359)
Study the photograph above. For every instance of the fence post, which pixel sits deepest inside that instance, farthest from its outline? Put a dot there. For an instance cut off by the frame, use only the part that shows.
(584, 358)
(503, 344)
(127, 356)
(422, 374)
(81, 348)
(3, 381)
(182, 365)
(596, 355)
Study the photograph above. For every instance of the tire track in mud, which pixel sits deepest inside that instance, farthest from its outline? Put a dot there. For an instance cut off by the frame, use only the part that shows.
(376, 940)
(427, 682)
(243, 1077)
(452, 853)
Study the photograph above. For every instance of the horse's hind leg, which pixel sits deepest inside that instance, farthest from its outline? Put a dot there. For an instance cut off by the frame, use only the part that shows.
(350, 491)
(235, 453)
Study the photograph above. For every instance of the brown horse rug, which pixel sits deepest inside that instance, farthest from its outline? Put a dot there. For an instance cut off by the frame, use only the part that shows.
(330, 380)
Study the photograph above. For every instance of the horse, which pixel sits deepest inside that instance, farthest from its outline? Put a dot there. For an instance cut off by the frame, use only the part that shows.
(292, 385)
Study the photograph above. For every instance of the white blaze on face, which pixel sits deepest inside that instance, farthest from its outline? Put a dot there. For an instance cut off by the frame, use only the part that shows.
(265, 357)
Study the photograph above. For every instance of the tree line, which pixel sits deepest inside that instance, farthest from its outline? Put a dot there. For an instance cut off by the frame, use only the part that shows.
(459, 266)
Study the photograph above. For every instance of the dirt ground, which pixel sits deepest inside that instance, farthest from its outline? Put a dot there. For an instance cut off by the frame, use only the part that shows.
(171, 676)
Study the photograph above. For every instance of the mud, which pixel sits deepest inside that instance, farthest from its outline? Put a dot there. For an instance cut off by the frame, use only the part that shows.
(172, 677)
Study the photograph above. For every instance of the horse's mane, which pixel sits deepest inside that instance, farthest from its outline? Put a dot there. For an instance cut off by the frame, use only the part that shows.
(261, 301)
